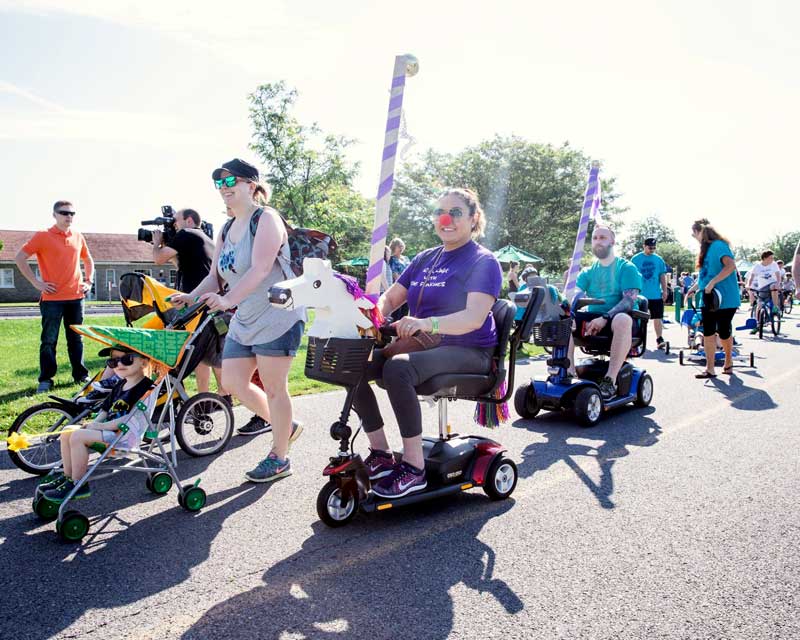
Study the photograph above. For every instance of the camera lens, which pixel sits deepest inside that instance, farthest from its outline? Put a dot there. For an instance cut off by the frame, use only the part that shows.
(144, 235)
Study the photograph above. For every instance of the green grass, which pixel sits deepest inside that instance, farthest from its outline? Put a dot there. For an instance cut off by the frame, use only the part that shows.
(35, 303)
(19, 366)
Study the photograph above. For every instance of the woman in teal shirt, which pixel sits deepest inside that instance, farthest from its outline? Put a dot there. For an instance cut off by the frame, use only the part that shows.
(717, 281)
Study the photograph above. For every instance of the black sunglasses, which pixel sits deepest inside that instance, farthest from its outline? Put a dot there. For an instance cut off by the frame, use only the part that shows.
(126, 360)
(66, 213)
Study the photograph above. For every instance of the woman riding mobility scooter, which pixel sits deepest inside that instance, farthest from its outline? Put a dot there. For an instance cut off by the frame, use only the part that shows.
(581, 394)
(453, 463)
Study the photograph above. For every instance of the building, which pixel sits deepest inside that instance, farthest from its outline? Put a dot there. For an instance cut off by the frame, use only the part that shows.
(113, 254)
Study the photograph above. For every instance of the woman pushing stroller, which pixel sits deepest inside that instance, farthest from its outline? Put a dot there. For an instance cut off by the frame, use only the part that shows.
(132, 368)
(260, 336)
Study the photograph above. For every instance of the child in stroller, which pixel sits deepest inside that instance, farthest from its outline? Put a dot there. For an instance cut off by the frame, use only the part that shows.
(132, 369)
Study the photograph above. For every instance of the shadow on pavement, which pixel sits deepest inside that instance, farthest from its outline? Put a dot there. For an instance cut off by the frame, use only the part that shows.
(740, 395)
(383, 576)
(629, 427)
(117, 564)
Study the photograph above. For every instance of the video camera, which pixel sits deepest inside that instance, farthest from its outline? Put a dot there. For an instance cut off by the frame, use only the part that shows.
(167, 221)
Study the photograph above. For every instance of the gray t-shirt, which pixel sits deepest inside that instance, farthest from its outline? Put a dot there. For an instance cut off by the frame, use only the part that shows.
(256, 321)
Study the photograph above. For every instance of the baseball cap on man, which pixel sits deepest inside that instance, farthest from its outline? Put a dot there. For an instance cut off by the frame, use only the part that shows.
(106, 352)
(650, 242)
(238, 168)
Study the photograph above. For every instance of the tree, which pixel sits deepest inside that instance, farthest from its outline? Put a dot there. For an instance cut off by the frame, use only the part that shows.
(742, 252)
(531, 193)
(678, 257)
(308, 170)
(650, 227)
(783, 245)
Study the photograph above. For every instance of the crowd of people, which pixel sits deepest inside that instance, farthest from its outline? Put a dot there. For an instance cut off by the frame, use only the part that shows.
(446, 292)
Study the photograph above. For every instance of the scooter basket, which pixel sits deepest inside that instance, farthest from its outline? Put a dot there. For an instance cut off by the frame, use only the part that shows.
(339, 361)
(553, 333)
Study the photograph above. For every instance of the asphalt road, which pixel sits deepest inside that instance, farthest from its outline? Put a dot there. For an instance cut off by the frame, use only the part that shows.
(675, 521)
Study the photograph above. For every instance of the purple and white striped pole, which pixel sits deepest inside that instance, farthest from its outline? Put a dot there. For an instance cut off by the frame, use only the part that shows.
(405, 65)
(591, 207)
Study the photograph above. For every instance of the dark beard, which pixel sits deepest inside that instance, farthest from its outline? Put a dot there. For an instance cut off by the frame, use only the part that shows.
(601, 252)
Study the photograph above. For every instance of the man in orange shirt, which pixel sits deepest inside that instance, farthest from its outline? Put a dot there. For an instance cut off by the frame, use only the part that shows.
(59, 251)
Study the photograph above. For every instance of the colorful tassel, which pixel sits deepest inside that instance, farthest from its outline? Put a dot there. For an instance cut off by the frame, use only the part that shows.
(492, 415)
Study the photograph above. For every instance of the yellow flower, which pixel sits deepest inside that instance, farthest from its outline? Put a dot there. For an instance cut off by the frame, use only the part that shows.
(17, 442)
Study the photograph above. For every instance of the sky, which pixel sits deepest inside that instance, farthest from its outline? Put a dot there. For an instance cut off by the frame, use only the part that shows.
(124, 106)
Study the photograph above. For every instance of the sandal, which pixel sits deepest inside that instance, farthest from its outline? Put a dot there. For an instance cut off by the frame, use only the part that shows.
(728, 371)
(705, 375)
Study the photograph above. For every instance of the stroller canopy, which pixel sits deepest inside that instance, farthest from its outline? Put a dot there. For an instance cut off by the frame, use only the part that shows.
(163, 346)
(142, 295)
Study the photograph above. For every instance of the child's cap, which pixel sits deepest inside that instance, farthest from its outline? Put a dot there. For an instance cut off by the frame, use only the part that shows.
(103, 353)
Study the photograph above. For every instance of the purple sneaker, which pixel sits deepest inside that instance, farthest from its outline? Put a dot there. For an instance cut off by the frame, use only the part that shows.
(379, 464)
(403, 480)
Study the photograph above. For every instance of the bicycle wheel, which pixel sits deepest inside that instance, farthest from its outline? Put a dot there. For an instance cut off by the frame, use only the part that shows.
(762, 320)
(775, 321)
(788, 303)
(204, 425)
(44, 453)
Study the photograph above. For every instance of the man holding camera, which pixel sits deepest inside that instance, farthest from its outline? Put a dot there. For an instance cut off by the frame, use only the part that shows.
(189, 246)
(193, 250)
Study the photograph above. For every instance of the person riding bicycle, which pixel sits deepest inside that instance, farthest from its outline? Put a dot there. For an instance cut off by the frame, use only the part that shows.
(616, 281)
(765, 278)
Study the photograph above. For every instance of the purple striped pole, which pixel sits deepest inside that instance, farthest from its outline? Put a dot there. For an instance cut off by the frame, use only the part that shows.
(405, 65)
(591, 204)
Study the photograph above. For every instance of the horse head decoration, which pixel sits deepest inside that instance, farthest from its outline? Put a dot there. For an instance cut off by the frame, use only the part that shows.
(340, 304)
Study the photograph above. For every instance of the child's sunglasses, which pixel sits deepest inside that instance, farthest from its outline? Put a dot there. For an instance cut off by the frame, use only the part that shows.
(126, 360)
(227, 181)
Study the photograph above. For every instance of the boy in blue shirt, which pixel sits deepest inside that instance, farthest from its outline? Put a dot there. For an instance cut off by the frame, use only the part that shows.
(654, 280)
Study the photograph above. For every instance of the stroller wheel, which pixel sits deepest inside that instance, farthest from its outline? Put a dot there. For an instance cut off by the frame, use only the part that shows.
(73, 526)
(204, 425)
(45, 509)
(159, 483)
(192, 498)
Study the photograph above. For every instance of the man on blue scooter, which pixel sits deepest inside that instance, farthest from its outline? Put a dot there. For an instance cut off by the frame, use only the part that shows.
(616, 281)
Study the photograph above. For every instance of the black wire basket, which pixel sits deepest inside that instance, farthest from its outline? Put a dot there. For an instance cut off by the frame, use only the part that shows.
(553, 333)
(341, 361)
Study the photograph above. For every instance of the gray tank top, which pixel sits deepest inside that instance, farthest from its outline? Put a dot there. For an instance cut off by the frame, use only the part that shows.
(256, 321)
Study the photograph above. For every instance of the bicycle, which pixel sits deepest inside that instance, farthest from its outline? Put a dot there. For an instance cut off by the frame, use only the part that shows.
(764, 312)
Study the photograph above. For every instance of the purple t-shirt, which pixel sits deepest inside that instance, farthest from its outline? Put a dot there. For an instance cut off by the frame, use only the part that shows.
(468, 269)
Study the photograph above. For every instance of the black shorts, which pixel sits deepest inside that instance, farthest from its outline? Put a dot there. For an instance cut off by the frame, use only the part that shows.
(656, 309)
(584, 317)
(719, 321)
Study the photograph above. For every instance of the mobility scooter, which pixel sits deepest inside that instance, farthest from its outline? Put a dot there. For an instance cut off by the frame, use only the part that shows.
(581, 394)
(453, 463)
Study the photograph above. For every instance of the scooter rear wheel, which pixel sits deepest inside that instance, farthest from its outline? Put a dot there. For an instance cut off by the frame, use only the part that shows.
(331, 509)
(501, 479)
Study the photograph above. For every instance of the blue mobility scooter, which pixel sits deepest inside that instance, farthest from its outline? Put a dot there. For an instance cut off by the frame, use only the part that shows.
(581, 394)
(453, 463)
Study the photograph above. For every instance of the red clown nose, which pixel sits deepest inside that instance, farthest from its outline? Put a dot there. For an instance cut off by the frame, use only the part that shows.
(445, 220)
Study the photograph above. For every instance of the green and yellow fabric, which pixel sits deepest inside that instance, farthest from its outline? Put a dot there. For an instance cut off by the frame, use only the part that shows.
(163, 346)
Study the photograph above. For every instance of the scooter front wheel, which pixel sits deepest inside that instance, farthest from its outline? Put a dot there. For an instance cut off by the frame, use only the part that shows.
(332, 508)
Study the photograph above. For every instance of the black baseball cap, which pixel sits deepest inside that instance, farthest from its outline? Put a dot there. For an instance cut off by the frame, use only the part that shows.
(650, 242)
(104, 353)
(238, 168)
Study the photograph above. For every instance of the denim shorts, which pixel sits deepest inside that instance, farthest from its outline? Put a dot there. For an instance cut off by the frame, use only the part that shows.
(286, 345)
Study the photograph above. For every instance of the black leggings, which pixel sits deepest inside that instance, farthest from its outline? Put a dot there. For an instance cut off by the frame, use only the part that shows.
(404, 372)
(719, 321)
